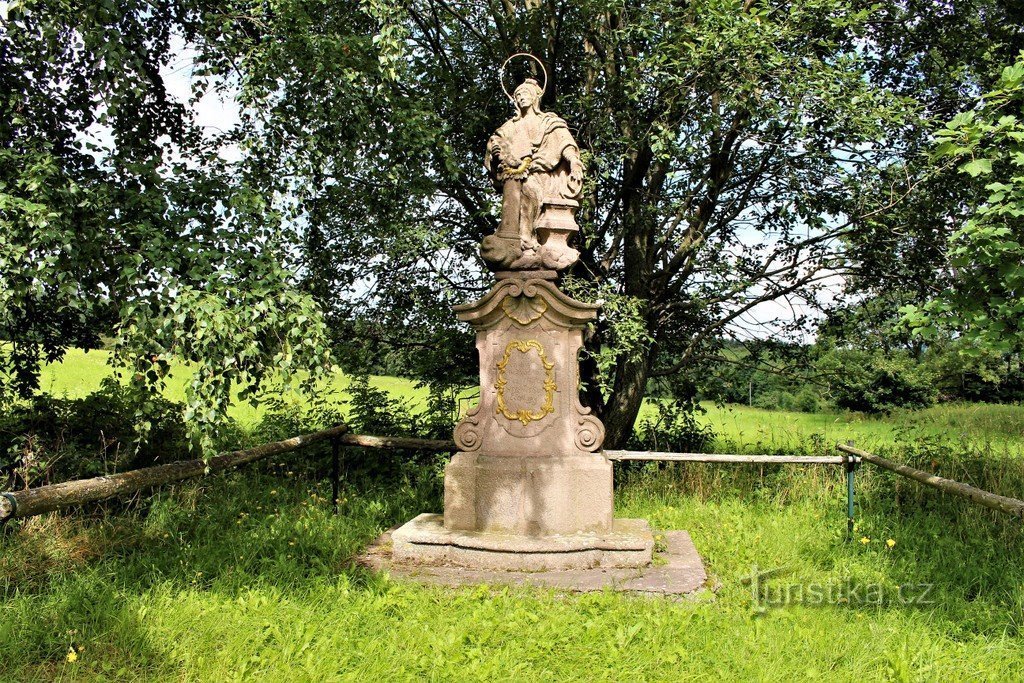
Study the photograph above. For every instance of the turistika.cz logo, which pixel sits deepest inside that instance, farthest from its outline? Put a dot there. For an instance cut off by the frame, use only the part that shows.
(767, 592)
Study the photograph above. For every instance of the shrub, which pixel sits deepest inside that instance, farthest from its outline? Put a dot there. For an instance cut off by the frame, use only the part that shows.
(374, 411)
(675, 430)
(55, 439)
(876, 382)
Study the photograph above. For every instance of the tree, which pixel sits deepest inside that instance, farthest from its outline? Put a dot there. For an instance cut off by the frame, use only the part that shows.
(731, 145)
(984, 300)
(118, 215)
(900, 253)
(737, 152)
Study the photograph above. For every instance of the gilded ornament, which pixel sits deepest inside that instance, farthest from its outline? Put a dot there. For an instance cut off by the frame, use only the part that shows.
(523, 415)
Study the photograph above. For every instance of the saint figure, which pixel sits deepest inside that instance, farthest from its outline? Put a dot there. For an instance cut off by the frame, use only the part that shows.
(534, 162)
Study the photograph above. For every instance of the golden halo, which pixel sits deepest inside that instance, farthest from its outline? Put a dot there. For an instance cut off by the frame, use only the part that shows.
(501, 74)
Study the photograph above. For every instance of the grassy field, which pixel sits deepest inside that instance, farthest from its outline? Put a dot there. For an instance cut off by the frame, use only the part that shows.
(80, 373)
(249, 577)
(738, 427)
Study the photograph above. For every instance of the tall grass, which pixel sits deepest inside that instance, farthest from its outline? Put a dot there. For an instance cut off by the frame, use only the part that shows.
(249, 576)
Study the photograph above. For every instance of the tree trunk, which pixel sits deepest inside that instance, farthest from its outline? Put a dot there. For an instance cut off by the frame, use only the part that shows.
(624, 404)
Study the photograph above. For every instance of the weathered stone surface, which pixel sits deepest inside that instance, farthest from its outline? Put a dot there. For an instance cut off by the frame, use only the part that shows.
(528, 495)
(530, 488)
(528, 464)
(682, 573)
(426, 540)
(528, 335)
(534, 162)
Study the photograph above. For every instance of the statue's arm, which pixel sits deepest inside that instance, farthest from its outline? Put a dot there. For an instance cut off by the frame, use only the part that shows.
(558, 144)
(571, 153)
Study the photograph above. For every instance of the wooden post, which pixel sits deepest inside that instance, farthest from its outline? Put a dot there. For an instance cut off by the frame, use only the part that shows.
(851, 469)
(335, 473)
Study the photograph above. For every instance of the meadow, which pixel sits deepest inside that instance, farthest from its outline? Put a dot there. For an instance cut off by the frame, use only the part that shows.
(249, 576)
(738, 427)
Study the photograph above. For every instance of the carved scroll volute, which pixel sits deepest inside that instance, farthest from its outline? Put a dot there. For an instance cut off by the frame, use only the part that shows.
(589, 434)
(467, 432)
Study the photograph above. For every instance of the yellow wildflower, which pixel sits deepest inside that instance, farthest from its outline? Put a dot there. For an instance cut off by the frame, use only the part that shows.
(891, 542)
(865, 540)
(72, 655)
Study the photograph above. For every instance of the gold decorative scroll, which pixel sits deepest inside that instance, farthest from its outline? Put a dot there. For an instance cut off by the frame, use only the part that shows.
(523, 415)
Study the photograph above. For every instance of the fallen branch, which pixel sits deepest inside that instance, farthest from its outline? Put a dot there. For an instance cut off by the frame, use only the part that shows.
(1010, 506)
(36, 501)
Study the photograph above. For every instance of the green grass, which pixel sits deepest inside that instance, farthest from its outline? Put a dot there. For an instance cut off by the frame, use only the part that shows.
(995, 426)
(248, 576)
(738, 427)
(80, 373)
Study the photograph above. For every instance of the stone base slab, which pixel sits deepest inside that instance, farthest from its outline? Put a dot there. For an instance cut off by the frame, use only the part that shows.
(426, 541)
(679, 571)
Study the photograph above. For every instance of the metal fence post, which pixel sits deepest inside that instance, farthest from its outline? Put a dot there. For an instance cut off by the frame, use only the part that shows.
(335, 473)
(851, 469)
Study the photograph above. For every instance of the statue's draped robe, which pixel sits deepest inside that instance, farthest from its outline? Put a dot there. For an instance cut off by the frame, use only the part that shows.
(523, 197)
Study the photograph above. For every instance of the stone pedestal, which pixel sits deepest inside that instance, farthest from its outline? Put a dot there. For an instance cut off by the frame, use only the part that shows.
(529, 489)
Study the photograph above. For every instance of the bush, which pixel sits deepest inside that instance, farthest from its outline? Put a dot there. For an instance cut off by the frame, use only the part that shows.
(876, 382)
(806, 400)
(675, 430)
(373, 411)
(55, 439)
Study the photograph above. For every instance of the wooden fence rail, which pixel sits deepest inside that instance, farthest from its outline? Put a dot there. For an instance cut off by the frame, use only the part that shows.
(725, 457)
(1011, 506)
(36, 501)
(46, 498)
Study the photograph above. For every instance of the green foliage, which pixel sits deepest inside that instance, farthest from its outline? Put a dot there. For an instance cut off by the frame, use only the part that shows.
(696, 206)
(622, 326)
(376, 412)
(804, 400)
(764, 373)
(674, 429)
(898, 250)
(804, 377)
(875, 383)
(965, 372)
(985, 300)
(120, 217)
(48, 439)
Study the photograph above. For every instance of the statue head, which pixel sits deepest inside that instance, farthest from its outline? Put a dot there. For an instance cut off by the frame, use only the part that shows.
(527, 95)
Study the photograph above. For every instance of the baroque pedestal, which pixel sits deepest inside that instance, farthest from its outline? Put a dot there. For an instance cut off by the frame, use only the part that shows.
(529, 488)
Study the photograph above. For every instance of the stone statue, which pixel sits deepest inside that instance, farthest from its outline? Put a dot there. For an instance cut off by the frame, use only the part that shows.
(530, 488)
(535, 163)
